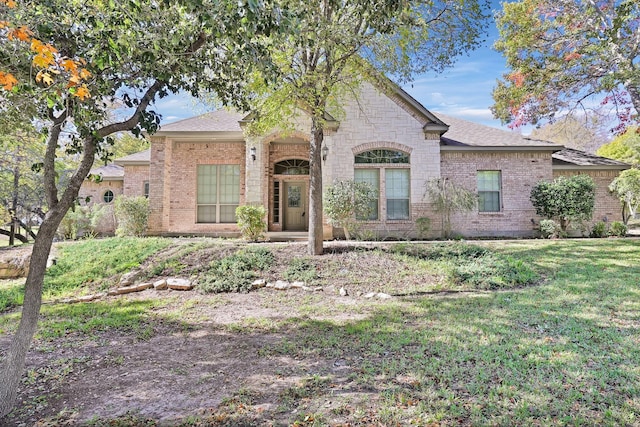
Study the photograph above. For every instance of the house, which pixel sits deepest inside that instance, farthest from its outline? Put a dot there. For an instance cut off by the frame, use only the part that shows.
(199, 170)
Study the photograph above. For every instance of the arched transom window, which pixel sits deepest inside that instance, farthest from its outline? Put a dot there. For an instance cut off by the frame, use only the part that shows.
(388, 173)
(292, 167)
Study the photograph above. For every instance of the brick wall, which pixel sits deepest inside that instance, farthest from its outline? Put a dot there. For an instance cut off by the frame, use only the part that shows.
(179, 207)
(520, 171)
(95, 191)
(134, 179)
(159, 172)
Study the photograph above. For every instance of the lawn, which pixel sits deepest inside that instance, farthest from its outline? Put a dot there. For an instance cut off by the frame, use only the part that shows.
(527, 332)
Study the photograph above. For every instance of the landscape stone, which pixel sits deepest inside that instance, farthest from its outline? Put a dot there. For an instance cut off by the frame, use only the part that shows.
(281, 285)
(343, 292)
(179, 284)
(258, 283)
(160, 285)
(370, 295)
(297, 284)
(129, 278)
(382, 295)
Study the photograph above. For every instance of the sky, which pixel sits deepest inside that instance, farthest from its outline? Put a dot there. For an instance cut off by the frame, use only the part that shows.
(462, 91)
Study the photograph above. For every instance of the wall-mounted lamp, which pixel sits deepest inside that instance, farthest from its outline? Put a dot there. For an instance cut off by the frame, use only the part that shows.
(325, 151)
(252, 150)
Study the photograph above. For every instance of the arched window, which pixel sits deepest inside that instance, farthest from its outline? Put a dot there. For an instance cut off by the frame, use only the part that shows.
(387, 172)
(292, 167)
(108, 196)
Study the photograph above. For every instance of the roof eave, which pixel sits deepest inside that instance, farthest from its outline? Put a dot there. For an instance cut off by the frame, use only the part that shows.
(590, 167)
(499, 148)
(131, 162)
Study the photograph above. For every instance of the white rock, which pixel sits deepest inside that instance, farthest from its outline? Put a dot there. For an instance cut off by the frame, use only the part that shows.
(160, 285)
(179, 284)
(382, 295)
(343, 292)
(370, 295)
(128, 278)
(281, 285)
(297, 284)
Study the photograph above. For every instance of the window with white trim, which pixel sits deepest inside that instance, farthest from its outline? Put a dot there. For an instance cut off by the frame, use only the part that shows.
(218, 193)
(489, 191)
(388, 174)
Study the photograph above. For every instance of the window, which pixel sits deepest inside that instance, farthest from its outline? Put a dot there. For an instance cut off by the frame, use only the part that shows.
(395, 177)
(371, 177)
(397, 183)
(489, 189)
(292, 167)
(108, 196)
(146, 189)
(218, 193)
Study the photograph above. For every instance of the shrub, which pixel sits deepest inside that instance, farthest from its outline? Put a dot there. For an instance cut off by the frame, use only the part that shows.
(251, 222)
(599, 229)
(348, 202)
(80, 222)
(447, 198)
(565, 199)
(132, 215)
(300, 269)
(423, 226)
(235, 272)
(549, 229)
(618, 229)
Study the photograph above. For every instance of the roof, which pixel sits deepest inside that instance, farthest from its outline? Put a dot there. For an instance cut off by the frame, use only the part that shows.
(463, 134)
(214, 121)
(110, 172)
(569, 158)
(139, 158)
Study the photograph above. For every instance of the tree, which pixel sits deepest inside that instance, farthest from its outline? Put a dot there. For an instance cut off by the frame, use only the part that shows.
(625, 147)
(333, 46)
(131, 53)
(572, 132)
(626, 187)
(447, 198)
(346, 203)
(563, 53)
(565, 199)
(126, 144)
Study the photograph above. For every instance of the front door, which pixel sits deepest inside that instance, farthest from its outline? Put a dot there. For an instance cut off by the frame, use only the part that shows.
(295, 206)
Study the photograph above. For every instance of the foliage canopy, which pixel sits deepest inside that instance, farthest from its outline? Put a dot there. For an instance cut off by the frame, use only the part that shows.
(565, 199)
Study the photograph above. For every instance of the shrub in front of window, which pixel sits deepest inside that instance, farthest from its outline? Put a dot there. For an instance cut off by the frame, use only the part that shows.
(81, 222)
(549, 229)
(618, 229)
(347, 201)
(565, 200)
(423, 226)
(447, 198)
(132, 215)
(599, 230)
(251, 222)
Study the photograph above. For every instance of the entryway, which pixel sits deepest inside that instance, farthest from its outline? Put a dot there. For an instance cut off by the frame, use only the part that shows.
(295, 206)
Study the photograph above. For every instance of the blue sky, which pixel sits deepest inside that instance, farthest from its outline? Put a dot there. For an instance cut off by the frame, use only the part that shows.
(462, 91)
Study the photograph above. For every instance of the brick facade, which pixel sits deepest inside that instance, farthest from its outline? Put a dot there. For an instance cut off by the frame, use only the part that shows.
(520, 171)
(135, 177)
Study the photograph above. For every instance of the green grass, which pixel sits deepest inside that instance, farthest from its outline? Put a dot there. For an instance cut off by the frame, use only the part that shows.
(11, 293)
(564, 352)
(91, 261)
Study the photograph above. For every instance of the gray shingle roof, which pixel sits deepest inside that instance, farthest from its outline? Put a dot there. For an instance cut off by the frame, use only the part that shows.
(215, 121)
(465, 133)
(139, 157)
(571, 157)
(109, 172)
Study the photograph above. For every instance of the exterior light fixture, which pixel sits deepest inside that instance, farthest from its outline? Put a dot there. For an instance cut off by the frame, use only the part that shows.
(252, 150)
(325, 151)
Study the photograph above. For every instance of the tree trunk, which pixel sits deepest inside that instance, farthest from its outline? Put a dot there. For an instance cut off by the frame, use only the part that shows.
(315, 187)
(13, 365)
(14, 206)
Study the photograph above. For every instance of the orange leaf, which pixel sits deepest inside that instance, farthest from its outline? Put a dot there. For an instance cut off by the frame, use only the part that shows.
(82, 92)
(69, 65)
(22, 33)
(84, 74)
(44, 77)
(43, 60)
(4, 24)
(9, 3)
(7, 81)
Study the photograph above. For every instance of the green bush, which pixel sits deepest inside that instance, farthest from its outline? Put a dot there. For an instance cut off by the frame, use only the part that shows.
(618, 229)
(251, 222)
(132, 215)
(549, 229)
(347, 203)
(471, 266)
(423, 226)
(565, 199)
(599, 229)
(300, 269)
(236, 272)
(81, 221)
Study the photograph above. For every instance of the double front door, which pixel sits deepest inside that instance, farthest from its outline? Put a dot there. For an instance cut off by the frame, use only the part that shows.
(295, 206)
